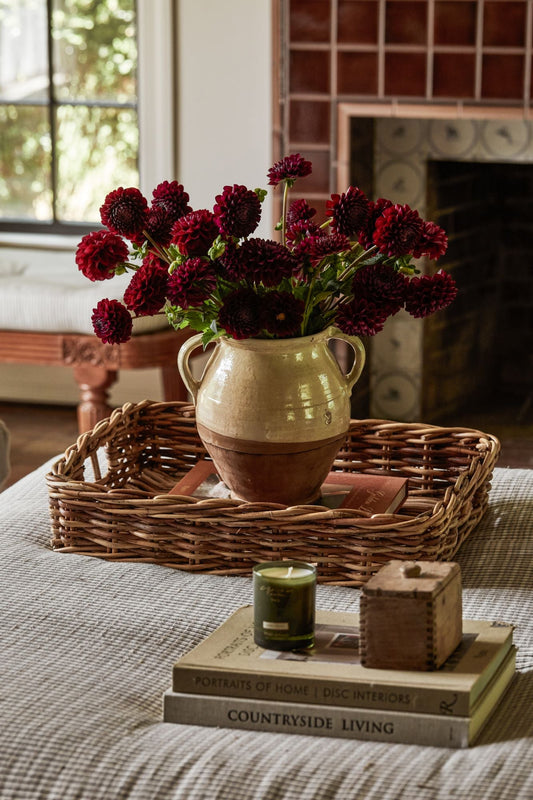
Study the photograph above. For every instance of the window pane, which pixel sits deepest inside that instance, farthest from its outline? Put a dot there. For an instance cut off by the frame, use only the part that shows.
(97, 151)
(95, 51)
(25, 164)
(23, 50)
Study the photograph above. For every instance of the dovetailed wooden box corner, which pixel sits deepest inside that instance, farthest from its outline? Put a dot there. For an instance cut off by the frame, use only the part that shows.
(411, 615)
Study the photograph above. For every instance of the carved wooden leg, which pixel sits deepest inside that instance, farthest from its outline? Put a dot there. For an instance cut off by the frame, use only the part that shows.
(94, 383)
(173, 386)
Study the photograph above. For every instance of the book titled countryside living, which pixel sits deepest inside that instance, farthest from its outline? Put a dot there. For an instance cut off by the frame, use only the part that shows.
(340, 721)
(229, 663)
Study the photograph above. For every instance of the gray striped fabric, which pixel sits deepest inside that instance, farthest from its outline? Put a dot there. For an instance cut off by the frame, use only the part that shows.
(87, 649)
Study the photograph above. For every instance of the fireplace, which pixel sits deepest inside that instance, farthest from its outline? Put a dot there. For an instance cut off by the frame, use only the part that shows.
(473, 176)
(385, 93)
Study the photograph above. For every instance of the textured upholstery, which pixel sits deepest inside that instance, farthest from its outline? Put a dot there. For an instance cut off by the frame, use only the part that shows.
(87, 651)
(4, 453)
(57, 297)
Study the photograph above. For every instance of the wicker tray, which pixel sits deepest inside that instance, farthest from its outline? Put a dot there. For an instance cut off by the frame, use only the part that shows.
(108, 498)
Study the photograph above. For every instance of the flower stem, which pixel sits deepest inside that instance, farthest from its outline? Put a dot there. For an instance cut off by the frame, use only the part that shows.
(160, 251)
(308, 305)
(361, 257)
(284, 212)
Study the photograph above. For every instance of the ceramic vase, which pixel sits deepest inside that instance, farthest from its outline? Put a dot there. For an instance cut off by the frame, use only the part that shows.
(272, 413)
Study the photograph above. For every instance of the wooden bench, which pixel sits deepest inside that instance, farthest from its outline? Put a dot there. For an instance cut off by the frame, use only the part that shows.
(45, 319)
(96, 365)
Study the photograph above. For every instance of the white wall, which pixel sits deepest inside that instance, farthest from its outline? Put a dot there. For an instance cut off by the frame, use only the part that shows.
(224, 137)
(224, 95)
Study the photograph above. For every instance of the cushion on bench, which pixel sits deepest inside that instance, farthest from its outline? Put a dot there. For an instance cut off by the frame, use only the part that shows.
(57, 297)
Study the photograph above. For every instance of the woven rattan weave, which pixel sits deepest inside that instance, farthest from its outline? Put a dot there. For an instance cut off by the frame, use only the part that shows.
(108, 498)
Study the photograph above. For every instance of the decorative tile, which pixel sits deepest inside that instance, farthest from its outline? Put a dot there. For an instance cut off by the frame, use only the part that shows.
(319, 180)
(502, 76)
(395, 395)
(505, 138)
(310, 20)
(504, 24)
(401, 343)
(357, 73)
(309, 121)
(400, 136)
(395, 369)
(309, 71)
(405, 74)
(402, 182)
(454, 75)
(455, 23)
(405, 22)
(452, 138)
(357, 22)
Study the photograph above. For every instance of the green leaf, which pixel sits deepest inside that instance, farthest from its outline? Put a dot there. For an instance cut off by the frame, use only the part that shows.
(210, 336)
(174, 253)
(217, 248)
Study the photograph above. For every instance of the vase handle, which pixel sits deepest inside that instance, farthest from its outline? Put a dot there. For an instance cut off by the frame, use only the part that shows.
(184, 367)
(360, 356)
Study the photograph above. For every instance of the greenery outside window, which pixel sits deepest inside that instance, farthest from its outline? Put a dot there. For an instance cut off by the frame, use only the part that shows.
(69, 117)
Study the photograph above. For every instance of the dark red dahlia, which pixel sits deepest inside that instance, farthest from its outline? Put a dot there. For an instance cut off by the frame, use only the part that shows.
(146, 291)
(172, 197)
(327, 245)
(381, 285)
(228, 265)
(297, 236)
(99, 253)
(430, 293)
(299, 210)
(349, 211)
(124, 211)
(195, 232)
(112, 322)
(153, 258)
(433, 243)
(282, 314)
(398, 231)
(289, 169)
(191, 283)
(265, 261)
(157, 228)
(360, 317)
(366, 236)
(241, 314)
(237, 211)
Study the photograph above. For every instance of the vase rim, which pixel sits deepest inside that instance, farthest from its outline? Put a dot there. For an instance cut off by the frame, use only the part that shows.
(289, 342)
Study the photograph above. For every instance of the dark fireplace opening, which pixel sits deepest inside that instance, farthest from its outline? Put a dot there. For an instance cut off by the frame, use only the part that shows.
(479, 352)
(475, 179)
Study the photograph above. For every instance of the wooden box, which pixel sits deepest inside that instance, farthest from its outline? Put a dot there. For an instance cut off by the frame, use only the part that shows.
(411, 615)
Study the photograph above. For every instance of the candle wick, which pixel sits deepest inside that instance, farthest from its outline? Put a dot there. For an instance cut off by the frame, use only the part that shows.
(290, 572)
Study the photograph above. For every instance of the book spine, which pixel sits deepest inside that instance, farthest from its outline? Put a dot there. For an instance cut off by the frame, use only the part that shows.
(314, 720)
(422, 700)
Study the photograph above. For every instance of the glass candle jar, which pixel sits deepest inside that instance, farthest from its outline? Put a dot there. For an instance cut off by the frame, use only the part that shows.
(284, 605)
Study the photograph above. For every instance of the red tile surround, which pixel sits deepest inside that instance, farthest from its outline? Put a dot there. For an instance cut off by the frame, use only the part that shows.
(391, 52)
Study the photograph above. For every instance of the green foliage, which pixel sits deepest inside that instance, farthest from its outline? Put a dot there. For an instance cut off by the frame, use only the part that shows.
(95, 58)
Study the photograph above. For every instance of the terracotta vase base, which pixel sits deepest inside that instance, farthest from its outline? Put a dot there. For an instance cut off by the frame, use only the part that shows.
(290, 473)
(306, 502)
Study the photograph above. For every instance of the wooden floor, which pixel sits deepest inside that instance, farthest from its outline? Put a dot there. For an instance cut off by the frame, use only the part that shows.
(37, 434)
(40, 432)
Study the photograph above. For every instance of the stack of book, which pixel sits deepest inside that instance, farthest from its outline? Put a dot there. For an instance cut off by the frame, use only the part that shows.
(228, 681)
(369, 494)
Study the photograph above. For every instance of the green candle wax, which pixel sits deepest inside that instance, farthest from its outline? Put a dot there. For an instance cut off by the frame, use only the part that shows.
(284, 605)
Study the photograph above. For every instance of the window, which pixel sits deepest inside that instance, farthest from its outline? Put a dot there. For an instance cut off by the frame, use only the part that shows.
(69, 117)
